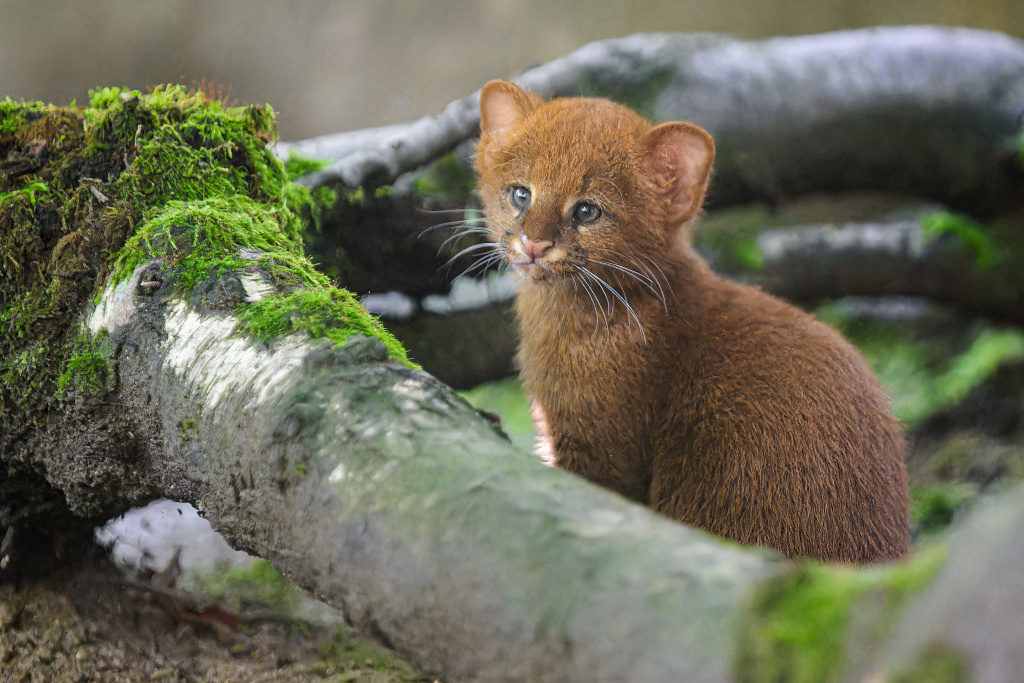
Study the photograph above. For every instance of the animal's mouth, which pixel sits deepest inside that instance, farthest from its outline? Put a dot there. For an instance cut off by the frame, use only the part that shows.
(531, 270)
(533, 259)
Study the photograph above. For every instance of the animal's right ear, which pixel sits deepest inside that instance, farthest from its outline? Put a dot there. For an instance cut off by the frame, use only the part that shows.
(502, 104)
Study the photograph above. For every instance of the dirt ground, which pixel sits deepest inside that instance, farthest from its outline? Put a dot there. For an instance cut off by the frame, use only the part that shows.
(92, 623)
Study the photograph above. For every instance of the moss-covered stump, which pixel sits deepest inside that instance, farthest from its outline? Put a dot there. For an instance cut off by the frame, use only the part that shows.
(85, 195)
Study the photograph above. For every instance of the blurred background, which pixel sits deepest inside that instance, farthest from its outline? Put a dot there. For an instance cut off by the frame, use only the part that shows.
(332, 65)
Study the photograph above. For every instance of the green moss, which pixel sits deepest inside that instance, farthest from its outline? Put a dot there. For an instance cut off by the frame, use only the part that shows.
(354, 660)
(936, 665)
(184, 146)
(447, 179)
(200, 239)
(798, 628)
(258, 587)
(169, 175)
(258, 583)
(28, 192)
(934, 506)
(88, 366)
(298, 165)
(15, 116)
(971, 234)
(48, 234)
(926, 375)
(320, 312)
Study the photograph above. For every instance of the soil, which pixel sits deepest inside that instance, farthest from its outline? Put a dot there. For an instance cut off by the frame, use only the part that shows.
(91, 623)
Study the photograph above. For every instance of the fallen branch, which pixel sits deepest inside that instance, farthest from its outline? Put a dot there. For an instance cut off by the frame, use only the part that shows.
(814, 263)
(927, 110)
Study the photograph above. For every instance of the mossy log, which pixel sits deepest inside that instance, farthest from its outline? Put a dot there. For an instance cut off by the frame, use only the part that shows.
(371, 484)
(931, 111)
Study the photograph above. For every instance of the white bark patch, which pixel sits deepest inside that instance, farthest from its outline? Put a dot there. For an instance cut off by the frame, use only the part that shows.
(202, 351)
(255, 287)
(902, 239)
(117, 305)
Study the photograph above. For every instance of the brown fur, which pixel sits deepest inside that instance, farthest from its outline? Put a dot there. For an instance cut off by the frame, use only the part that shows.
(731, 410)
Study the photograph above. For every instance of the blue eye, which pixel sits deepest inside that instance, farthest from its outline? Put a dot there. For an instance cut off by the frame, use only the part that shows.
(585, 212)
(520, 197)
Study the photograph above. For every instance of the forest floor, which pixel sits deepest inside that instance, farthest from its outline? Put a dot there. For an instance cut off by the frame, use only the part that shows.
(93, 622)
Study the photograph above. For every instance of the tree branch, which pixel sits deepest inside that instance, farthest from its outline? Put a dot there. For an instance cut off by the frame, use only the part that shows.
(933, 111)
(814, 263)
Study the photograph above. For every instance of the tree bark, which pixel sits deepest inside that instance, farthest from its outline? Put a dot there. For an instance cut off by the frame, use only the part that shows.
(815, 263)
(927, 110)
(374, 486)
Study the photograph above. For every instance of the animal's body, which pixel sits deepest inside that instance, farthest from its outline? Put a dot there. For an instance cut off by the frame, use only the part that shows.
(712, 402)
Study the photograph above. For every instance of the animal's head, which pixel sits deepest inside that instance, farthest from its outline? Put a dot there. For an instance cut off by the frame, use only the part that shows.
(582, 183)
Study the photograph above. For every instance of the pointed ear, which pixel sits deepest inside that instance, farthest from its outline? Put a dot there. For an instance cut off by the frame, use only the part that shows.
(678, 161)
(503, 103)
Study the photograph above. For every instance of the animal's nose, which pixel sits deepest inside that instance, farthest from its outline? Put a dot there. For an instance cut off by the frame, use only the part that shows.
(534, 250)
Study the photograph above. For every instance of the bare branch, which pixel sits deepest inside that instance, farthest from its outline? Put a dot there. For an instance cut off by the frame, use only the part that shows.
(935, 111)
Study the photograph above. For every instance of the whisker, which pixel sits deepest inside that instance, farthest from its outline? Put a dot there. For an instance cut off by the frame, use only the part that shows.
(664, 277)
(657, 283)
(463, 222)
(652, 282)
(648, 279)
(609, 303)
(593, 302)
(639, 277)
(459, 235)
(483, 263)
(467, 250)
(615, 293)
(420, 209)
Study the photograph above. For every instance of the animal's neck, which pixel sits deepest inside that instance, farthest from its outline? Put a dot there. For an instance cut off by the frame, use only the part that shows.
(572, 312)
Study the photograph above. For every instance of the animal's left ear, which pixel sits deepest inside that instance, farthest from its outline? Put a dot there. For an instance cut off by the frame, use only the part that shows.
(502, 104)
(678, 161)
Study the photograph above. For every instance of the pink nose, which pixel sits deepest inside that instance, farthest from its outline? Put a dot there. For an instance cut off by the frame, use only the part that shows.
(534, 250)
